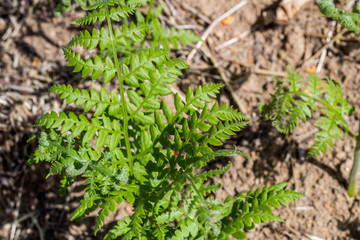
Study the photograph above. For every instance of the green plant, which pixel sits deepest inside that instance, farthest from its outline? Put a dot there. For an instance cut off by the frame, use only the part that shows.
(139, 150)
(292, 103)
(349, 20)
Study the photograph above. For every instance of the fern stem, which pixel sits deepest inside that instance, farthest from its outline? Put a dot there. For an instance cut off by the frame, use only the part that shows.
(352, 180)
(122, 93)
(149, 11)
(326, 104)
(195, 189)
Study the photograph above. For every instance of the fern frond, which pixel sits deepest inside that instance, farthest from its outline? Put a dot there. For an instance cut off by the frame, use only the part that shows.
(108, 205)
(96, 67)
(202, 95)
(101, 101)
(101, 3)
(79, 123)
(90, 18)
(133, 33)
(120, 229)
(115, 14)
(161, 37)
(65, 5)
(203, 176)
(254, 208)
(84, 208)
(223, 131)
(349, 20)
(289, 105)
(140, 65)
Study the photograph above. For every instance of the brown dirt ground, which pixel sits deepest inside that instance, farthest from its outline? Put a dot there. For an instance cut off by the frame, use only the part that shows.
(32, 62)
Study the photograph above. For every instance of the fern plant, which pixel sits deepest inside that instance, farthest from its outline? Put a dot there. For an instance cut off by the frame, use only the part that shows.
(292, 103)
(349, 20)
(135, 148)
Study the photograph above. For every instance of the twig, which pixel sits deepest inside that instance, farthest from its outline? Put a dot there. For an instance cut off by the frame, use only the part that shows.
(350, 4)
(196, 12)
(301, 137)
(324, 51)
(233, 40)
(36, 223)
(21, 89)
(212, 26)
(17, 209)
(261, 71)
(171, 7)
(312, 237)
(205, 74)
(226, 81)
(318, 53)
(175, 90)
(342, 38)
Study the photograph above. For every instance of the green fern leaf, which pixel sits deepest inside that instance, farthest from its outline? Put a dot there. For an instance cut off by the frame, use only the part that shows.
(348, 19)
(160, 36)
(86, 67)
(101, 102)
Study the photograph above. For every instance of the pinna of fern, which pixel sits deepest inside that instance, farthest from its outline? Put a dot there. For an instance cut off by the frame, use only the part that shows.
(125, 149)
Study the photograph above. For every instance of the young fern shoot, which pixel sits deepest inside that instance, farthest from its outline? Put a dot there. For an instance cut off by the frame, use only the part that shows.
(291, 103)
(126, 149)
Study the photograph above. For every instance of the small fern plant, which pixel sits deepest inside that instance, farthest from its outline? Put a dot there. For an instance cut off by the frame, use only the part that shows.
(130, 146)
(292, 102)
(347, 19)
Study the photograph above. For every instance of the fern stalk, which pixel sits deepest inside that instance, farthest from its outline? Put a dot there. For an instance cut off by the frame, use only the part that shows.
(352, 180)
(121, 89)
(148, 16)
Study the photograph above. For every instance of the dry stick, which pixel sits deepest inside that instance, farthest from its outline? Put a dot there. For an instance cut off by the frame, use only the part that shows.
(17, 209)
(324, 51)
(37, 225)
(212, 26)
(225, 80)
(342, 38)
(318, 53)
(175, 90)
(195, 12)
(261, 71)
(330, 33)
(171, 7)
(233, 40)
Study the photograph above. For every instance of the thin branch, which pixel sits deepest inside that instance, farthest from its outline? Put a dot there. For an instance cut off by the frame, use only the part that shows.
(212, 26)
(326, 46)
(233, 40)
(17, 209)
(324, 51)
(226, 81)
